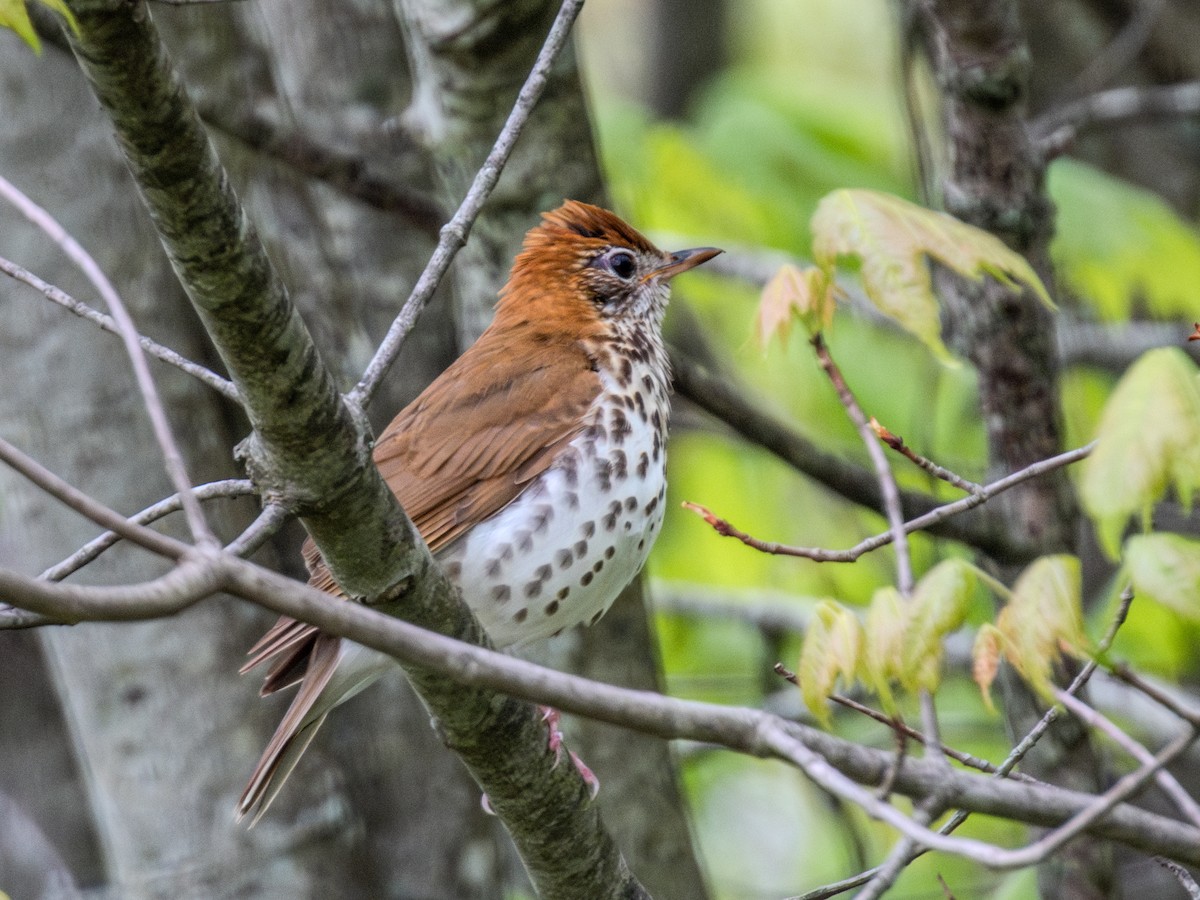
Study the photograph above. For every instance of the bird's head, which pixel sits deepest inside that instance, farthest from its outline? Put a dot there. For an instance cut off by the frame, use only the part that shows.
(584, 263)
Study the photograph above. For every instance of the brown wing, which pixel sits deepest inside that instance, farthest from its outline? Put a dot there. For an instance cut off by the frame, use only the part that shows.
(460, 452)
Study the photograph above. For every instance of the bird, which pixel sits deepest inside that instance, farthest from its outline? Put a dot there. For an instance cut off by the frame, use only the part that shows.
(534, 467)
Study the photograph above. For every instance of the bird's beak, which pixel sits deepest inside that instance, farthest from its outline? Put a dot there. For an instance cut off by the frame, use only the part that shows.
(682, 261)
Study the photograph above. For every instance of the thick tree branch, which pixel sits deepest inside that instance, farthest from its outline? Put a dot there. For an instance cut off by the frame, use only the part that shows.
(309, 448)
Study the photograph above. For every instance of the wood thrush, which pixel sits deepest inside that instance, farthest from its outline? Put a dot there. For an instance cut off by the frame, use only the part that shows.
(534, 467)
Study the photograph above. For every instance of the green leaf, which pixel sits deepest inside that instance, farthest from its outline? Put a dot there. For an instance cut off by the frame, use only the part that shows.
(938, 607)
(1044, 618)
(1117, 244)
(892, 238)
(1165, 568)
(832, 644)
(15, 16)
(1148, 439)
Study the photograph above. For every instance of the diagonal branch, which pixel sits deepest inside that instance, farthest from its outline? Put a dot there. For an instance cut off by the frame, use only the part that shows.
(309, 449)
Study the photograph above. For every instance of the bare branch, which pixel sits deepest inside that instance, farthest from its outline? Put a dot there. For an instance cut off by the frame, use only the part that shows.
(1059, 127)
(198, 575)
(88, 506)
(232, 487)
(722, 400)
(155, 349)
(172, 458)
(454, 233)
(1183, 875)
(258, 532)
(1166, 781)
(818, 554)
(897, 443)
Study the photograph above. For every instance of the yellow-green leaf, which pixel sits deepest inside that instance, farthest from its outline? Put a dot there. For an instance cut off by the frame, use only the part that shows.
(883, 641)
(1044, 618)
(1148, 439)
(1165, 568)
(15, 16)
(832, 644)
(985, 660)
(938, 607)
(794, 292)
(892, 239)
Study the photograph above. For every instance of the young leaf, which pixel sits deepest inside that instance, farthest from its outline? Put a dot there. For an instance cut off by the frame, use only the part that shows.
(883, 652)
(938, 607)
(1165, 568)
(15, 16)
(1148, 439)
(1044, 618)
(985, 660)
(892, 238)
(832, 644)
(805, 294)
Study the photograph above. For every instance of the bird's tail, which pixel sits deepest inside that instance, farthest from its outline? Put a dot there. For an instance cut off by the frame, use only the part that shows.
(336, 671)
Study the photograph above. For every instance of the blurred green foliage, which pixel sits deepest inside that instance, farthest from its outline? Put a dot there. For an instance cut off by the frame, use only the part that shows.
(809, 103)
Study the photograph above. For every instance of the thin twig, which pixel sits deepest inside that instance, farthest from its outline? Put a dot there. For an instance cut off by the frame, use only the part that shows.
(1161, 697)
(155, 349)
(1182, 875)
(819, 554)
(1059, 127)
(258, 532)
(1165, 780)
(232, 487)
(899, 725)
(1120, 52)
(88, 506)
(453, 234)
(172, 458)
(896, 442)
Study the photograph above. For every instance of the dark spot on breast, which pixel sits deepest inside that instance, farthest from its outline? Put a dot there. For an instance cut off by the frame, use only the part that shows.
(586, 579)
(648, 383)
(589, 528)
(626, 371)
(580, 549)
(656, 420)
(492, 568)
(640, 404)
(533, 589)
(596, 432)
(652, 505)
(541, 519)
(572, 500)
(614, 511)
(134, 694)
(524, 541)
(643, 465)
(657, 446)
(604, 475)
(520, 615)
(642, 544)
(631, 504)
(597, 566)
(610, 551)
(562, 594)
(543, 573)
(619, 425)
(551, 607)
(620, 465)
(506, 552)
(563, 558)
(501, 593)
(568, 467)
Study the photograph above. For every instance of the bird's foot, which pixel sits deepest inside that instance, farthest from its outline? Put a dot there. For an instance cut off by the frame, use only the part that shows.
(552, 717)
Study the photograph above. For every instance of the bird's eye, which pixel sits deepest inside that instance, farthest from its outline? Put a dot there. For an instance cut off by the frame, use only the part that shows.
(622, 265)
